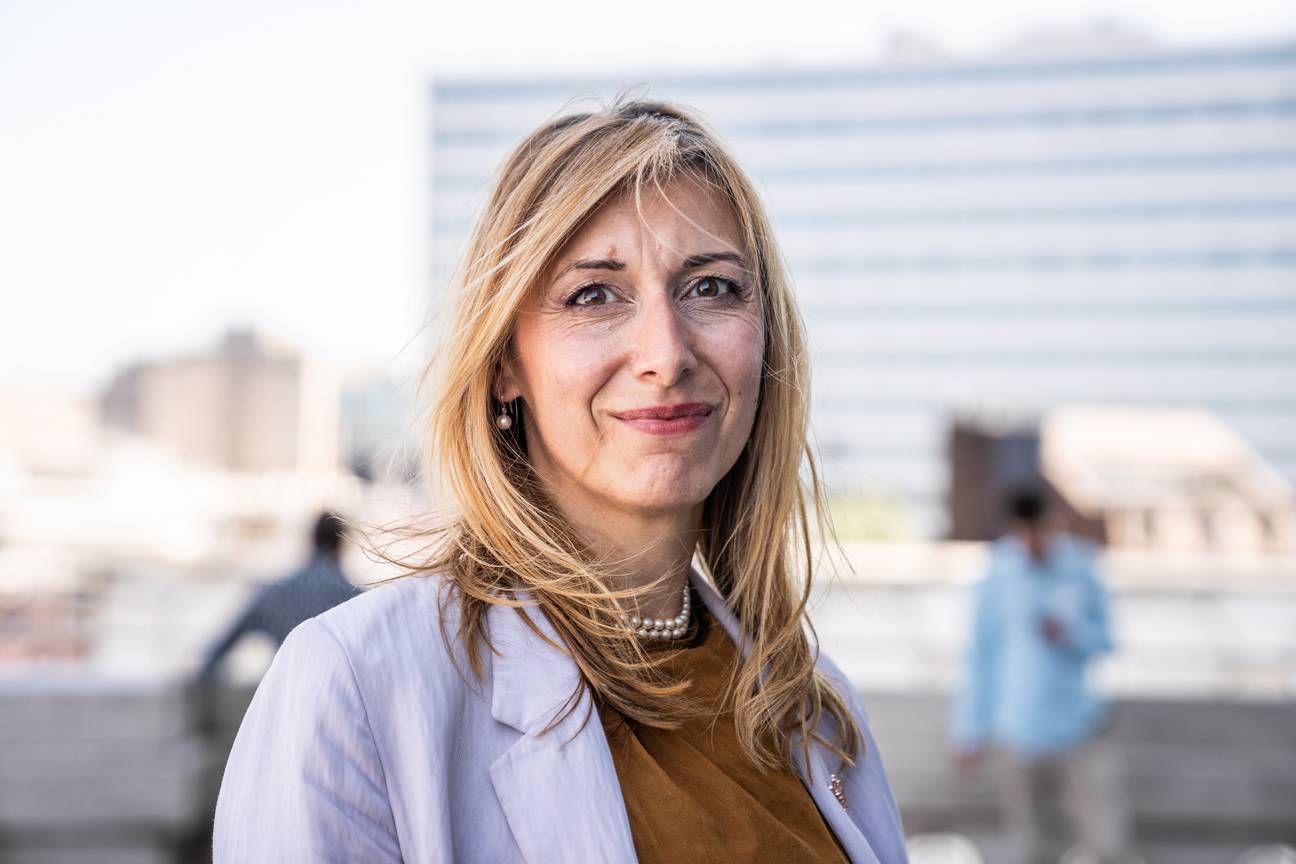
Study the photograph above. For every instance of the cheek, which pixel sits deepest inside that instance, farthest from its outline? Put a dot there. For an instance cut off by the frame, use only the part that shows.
(562, 374)
(741, 363)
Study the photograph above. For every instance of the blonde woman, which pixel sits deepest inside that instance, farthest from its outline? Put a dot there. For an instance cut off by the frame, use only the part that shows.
(606, 658)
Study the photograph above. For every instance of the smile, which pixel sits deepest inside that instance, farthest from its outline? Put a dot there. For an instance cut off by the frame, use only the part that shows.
(667, 419)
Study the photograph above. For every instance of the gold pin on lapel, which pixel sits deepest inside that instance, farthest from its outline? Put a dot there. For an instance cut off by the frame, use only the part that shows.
(838, 789)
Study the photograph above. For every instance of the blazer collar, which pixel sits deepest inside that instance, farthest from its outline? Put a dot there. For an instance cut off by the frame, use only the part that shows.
(530, 679)
(823, 763)
(559, 789)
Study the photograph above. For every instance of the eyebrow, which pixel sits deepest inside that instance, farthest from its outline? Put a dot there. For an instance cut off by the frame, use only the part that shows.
(694, 261)
(690, 263)
(593, 264)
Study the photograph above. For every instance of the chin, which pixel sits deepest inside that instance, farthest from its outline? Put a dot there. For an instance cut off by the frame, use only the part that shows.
(662, 498)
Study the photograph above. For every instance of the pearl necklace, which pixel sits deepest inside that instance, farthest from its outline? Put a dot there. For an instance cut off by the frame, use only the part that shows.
(662, 628)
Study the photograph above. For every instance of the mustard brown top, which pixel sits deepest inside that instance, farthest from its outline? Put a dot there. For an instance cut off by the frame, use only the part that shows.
(692, 795)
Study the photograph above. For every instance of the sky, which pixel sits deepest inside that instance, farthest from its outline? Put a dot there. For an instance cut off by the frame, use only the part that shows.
(169, 170)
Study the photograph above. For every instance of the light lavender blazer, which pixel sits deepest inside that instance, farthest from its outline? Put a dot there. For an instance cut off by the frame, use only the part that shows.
(364, 743)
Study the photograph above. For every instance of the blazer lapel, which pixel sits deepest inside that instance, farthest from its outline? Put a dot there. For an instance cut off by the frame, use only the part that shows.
(823, 762)
(558, 789)
(822, 770)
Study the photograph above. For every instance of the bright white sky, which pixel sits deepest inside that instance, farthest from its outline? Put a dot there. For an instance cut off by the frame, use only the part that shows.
(168, 169)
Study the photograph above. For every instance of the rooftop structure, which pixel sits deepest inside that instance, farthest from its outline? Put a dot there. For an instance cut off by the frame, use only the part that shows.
(246, 406)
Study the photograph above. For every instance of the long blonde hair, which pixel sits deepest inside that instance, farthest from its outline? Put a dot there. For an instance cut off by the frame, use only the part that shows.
(506, 544)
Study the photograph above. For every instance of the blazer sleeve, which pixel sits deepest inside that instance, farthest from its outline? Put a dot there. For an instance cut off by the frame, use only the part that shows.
(304, 781)
(872, 802)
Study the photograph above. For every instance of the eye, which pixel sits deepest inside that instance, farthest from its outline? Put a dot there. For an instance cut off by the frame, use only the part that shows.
(714, 286)
(590, 295)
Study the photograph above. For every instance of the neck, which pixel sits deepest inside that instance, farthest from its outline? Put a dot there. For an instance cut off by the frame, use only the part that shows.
(649, 553)
(651, 558)
(1035, 538)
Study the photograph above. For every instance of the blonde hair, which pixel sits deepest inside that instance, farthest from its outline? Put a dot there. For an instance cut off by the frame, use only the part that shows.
(506, 544)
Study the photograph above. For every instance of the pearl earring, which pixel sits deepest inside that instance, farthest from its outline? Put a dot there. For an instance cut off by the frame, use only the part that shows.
(504, 422)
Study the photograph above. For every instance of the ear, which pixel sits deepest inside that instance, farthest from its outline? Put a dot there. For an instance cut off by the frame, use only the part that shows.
(505, 386)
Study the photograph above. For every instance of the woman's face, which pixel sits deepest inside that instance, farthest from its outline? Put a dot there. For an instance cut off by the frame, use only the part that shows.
(639, 357)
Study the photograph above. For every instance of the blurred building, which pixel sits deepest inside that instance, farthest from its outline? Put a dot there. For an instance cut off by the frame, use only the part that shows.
(46, 430)
(1177, 480)
(1080, 220)
(246, 406)
(381, 441)
(204, 470)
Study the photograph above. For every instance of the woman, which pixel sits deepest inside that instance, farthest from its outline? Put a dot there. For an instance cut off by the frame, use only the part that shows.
(606, 657)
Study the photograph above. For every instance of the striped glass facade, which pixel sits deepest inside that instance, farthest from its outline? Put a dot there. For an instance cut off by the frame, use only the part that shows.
(990, 237)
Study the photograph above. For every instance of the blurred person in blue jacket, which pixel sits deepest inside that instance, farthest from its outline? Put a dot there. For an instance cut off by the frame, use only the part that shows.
(315, 587)
(1041, 617)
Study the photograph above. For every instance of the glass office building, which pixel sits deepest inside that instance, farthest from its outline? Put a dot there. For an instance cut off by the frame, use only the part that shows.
(990, 237)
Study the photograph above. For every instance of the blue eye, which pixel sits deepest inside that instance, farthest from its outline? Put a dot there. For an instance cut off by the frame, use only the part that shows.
(590, 295)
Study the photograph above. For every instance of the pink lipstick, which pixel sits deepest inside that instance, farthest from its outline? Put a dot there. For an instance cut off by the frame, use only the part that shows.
(667, 419)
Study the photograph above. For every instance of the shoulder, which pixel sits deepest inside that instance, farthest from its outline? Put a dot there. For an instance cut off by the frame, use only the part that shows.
(390, 650)
(1080, 552)
(1077, 545)
(1004, 553)
(412, 602)
(877, 815)
(398, 633)
(307, 773)
(332, 722)
(849, 693)
(837, 678)
(393, 643)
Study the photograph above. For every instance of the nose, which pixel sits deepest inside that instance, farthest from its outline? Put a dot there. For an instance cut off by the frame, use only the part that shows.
(661, 349)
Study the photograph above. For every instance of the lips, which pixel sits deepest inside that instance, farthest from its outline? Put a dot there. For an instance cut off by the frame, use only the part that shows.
(666, 412)
(667, 419)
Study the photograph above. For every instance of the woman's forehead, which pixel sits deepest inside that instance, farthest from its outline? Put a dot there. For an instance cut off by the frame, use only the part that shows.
(682, 219)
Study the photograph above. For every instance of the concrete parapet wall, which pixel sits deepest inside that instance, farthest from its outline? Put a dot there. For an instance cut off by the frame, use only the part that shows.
(1192, 768)
(129, 773)
(99, 771)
